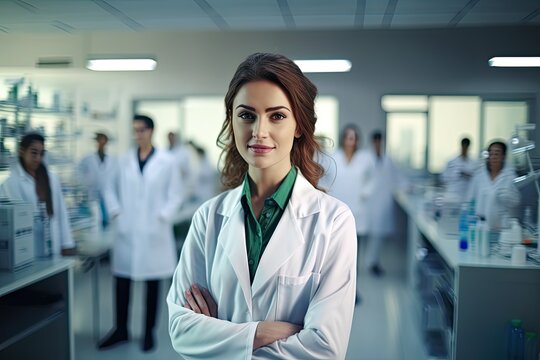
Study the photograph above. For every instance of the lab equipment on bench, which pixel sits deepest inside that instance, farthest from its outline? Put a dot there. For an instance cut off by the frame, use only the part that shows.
(16, 234)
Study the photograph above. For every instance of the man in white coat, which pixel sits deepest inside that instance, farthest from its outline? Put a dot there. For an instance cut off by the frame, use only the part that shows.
(94, 170)
(144, 197)
(386, 179)
(459, 171)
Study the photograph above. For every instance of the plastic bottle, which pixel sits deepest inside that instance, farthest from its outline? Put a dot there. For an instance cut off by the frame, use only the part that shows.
(463, 228)
(516, 341)
(482, 234)
(531, 346)
(473, 219)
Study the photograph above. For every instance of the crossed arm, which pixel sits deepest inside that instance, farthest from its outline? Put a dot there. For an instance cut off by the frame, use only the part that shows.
(200, 301)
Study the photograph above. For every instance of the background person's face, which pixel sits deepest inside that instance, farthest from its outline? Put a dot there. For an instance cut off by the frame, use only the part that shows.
(264, 125)
(496, 157)
(349, 140)
(143, 134)
(32, 156)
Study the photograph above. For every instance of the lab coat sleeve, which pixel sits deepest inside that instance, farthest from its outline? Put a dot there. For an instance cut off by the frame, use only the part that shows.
(111, 188)
(174, 195)
(328, 320)
(196, 336)
(60, 212)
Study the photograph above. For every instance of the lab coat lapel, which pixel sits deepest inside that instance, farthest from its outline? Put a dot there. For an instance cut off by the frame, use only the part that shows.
(232, 238)
(288, 236)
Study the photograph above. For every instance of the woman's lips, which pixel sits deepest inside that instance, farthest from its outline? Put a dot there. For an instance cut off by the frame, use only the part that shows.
(260, 149)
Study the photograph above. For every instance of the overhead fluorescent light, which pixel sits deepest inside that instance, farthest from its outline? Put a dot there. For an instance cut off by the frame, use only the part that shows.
(516, 61)
(121, 64)
(320, 66)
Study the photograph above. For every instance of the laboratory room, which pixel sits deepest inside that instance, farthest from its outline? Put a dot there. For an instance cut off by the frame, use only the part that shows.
(270, 179)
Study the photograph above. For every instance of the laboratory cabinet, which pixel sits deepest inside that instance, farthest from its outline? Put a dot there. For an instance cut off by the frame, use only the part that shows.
(464, 302)
(35, 311)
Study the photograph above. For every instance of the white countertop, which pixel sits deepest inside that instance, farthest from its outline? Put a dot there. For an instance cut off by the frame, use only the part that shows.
(448, 248)
(39, 269)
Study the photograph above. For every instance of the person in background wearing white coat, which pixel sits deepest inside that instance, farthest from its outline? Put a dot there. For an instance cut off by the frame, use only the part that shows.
(32, 182)
(268, 267)
(352, 179)
(492, 189)
(144, 196)
(94, 170)
(459, 171)
(381, 208)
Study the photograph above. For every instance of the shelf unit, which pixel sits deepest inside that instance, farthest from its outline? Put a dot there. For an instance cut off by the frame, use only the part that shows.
(35, 308)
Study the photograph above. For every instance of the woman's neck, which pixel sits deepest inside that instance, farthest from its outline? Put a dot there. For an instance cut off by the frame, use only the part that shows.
(29, 171)
(266, 181)
(349, 153)
(494, 173)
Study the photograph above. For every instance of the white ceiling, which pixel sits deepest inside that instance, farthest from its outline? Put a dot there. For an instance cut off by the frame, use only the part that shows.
(76, 16)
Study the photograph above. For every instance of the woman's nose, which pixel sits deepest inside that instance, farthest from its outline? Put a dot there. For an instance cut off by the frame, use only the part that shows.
(259, 129)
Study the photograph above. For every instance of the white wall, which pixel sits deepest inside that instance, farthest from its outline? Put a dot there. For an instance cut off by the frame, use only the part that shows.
(432, 61)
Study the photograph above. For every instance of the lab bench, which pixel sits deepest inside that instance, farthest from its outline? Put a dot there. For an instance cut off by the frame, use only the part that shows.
(35, 311)
(465, 301)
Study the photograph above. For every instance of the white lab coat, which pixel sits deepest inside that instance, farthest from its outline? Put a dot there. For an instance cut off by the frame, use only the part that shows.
(21, 186)
(352, 183)
(494, 199)
(456, 183)
(307, 276)
(146, 205)
(380, 205)
(94, 173)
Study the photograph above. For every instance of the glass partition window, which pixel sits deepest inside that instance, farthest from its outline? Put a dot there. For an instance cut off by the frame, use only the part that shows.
(501, 118)
(431, 127)
(450, 119)
(406, 139)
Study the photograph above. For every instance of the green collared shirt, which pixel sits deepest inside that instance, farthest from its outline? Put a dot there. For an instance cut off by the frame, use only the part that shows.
(259, 232)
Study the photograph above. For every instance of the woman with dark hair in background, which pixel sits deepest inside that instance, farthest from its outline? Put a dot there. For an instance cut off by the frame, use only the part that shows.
(492, 188)
(268, 268)
(349, 178)
(32, 182)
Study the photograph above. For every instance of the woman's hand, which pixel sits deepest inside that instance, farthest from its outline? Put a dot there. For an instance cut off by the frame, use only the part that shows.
(270, 331)
(200, 301)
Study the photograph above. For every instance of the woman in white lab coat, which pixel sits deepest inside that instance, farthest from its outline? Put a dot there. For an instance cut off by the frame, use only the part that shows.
(144, 196)
(351, 181)
(492, 189)
(243, 288)
(32, 182)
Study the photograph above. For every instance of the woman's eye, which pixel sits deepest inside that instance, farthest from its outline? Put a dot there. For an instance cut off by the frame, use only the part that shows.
(246, 116)
(278, 116)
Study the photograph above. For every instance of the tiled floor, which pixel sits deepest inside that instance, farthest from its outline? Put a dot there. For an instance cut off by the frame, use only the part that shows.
(384, 325)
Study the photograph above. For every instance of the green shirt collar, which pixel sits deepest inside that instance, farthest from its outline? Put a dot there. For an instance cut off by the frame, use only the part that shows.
(280, 196)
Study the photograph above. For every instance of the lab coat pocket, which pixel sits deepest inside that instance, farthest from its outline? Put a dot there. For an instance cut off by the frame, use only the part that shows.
(294, 295)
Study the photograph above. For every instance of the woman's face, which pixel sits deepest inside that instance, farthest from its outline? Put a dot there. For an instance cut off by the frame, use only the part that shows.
(32, 156)
(264, 126)
(496, 157)
(349, 140)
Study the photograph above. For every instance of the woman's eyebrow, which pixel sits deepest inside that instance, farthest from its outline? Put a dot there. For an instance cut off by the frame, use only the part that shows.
(245, 107)
(277, 108)
(274, 108)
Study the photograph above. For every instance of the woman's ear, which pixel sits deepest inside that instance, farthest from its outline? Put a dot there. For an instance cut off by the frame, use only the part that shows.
(297, 133)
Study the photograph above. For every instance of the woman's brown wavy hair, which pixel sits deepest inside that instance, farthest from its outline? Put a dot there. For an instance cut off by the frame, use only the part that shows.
(301, 93)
